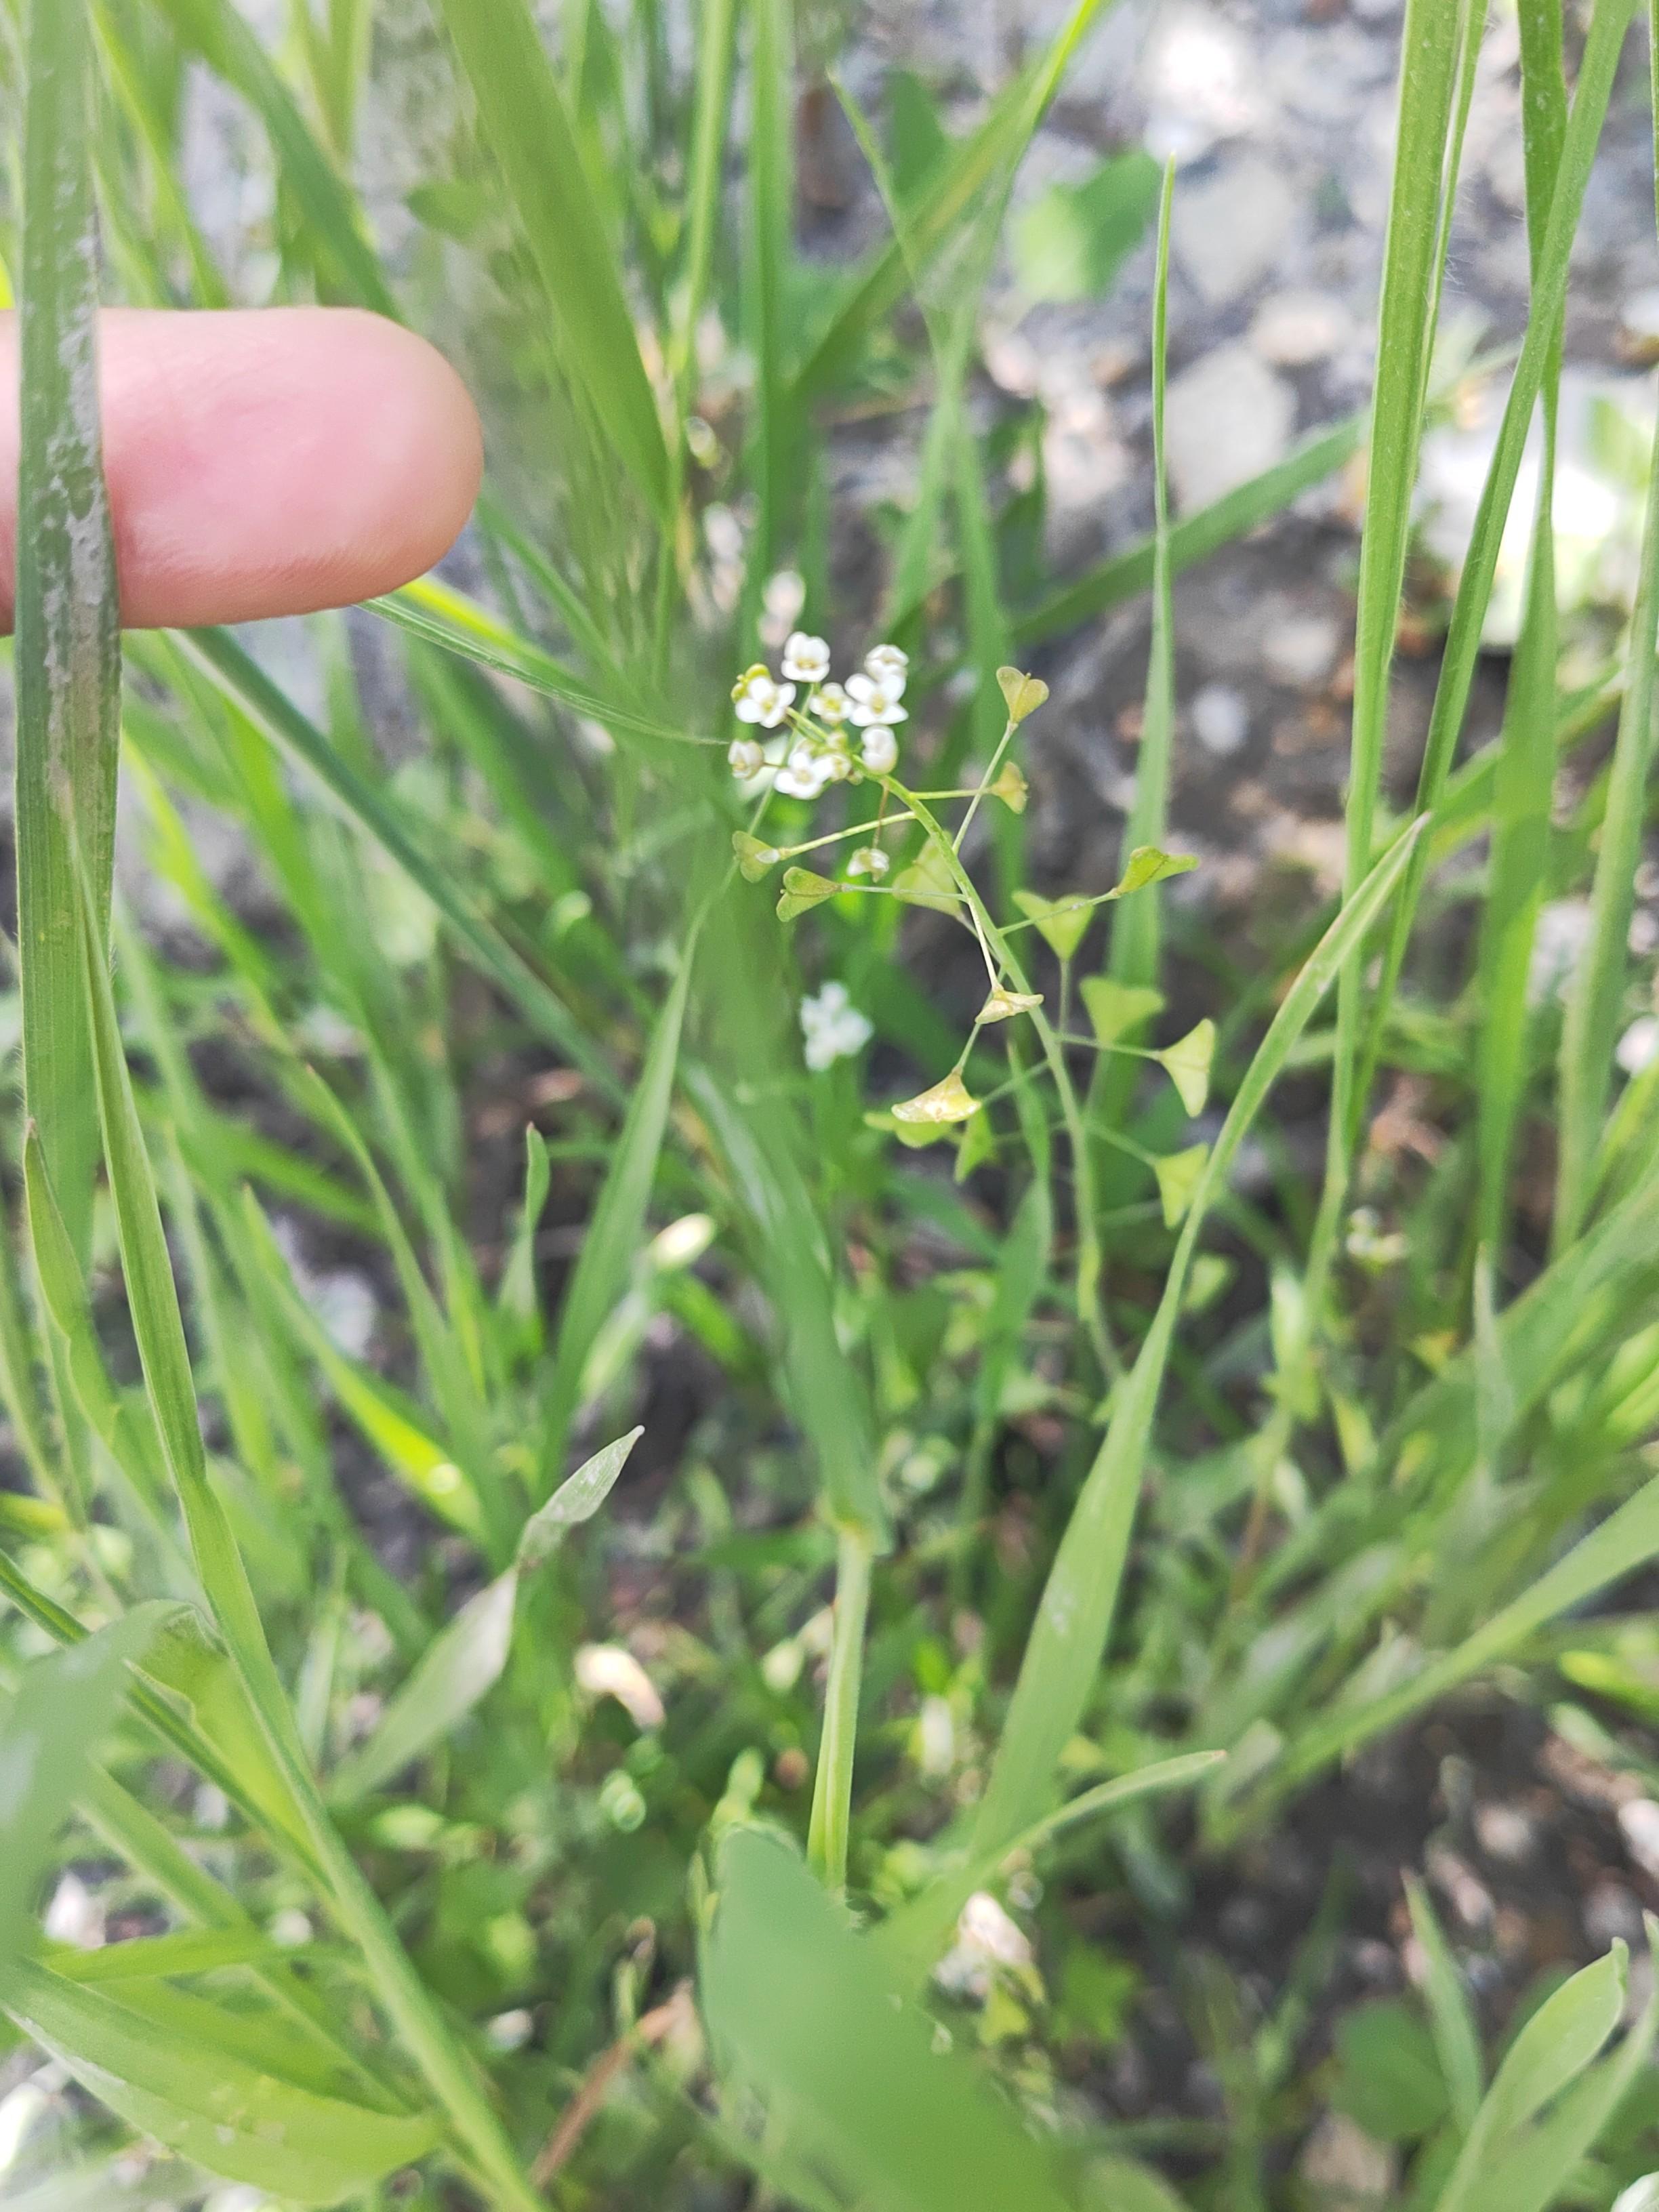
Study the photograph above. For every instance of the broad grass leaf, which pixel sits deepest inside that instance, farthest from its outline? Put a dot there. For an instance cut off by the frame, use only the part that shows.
(464, 1662)
(1070, 241)
(191, 2090)
(187, 1660)
(65, 1705)
(1389, 2079)
(797, 2005)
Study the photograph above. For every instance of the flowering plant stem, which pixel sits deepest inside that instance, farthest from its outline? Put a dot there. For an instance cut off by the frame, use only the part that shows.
(832, 1789)
(1090, 1306)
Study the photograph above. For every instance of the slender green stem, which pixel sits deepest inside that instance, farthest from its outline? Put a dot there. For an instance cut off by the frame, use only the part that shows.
(832, 1793)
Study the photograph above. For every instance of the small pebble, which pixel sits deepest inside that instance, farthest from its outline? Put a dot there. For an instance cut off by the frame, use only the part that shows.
(1638, 1824)
(1220, 719)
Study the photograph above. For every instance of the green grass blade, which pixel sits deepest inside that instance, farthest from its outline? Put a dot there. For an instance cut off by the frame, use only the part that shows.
(951, 196)
(770, 167)
(1074, 1615)
(1596, 70)
(69, 649)
(615, 1231)
(1451, 2017)
(219, 32)
(1428, 71)
(279, 720)
(1524, 775)
(1589, 1031)
(525, 125)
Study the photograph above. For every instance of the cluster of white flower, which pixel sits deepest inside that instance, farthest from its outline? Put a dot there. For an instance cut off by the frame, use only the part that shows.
(817, 750)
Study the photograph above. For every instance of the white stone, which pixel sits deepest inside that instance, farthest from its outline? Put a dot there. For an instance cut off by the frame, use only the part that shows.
(1228, 417)
(1638, 1824)
(1220, 719)
(1229, 229)
(1292, 329)
(1300, 648)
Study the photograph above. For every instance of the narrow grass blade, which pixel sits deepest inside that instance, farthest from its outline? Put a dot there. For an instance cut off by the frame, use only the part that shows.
(224, 661)
(1136, 924)
(1608, 26)
(69, 649)
(525, 125)
(1194, 537)
(159, 1328)
(1456, 2033)
(771, 168)
(616, 1232)
(851, 2075)
(1590, 1031)
(1523, 780)
(910, 1941)
(217, 30)
(1074, 1615)
(951, 196)
(438, 615)
(1428, 70)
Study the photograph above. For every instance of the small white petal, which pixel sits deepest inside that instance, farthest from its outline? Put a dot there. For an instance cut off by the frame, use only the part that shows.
(879, 749)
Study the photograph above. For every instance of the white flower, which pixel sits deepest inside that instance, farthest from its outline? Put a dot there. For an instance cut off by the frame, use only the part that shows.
(783, 596)
(832, 1027)
(879, 749)
(888, 664)
(868, 860)
(1639, 1048)
(873, 700)
(745, 757)
(806, 659)
(758, 699)
(806, 773)
(829, 703)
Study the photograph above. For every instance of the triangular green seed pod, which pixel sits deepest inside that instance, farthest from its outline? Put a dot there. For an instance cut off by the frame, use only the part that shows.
(1186, 1064)
(928, 882)
(755, 859)
(1118, 1010)
(946, 1102)
(1177, 1176)
(803, 889)
(1023, 694)
(1003, 1004)
(1011, 787)
(1061, 923)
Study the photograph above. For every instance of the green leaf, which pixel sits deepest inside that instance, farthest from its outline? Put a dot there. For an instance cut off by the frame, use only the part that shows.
(65, 1705)
(1062, 923)
(1117, 1010)
(1186, 1064)
(69, 648)
(1179, 1175)
(525, 127)
(1389, 2079)
(191, 2090)
(851, 2077)
(1070, 242)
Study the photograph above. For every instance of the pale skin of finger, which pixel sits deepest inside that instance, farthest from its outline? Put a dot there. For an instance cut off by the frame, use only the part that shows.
(269, 461)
